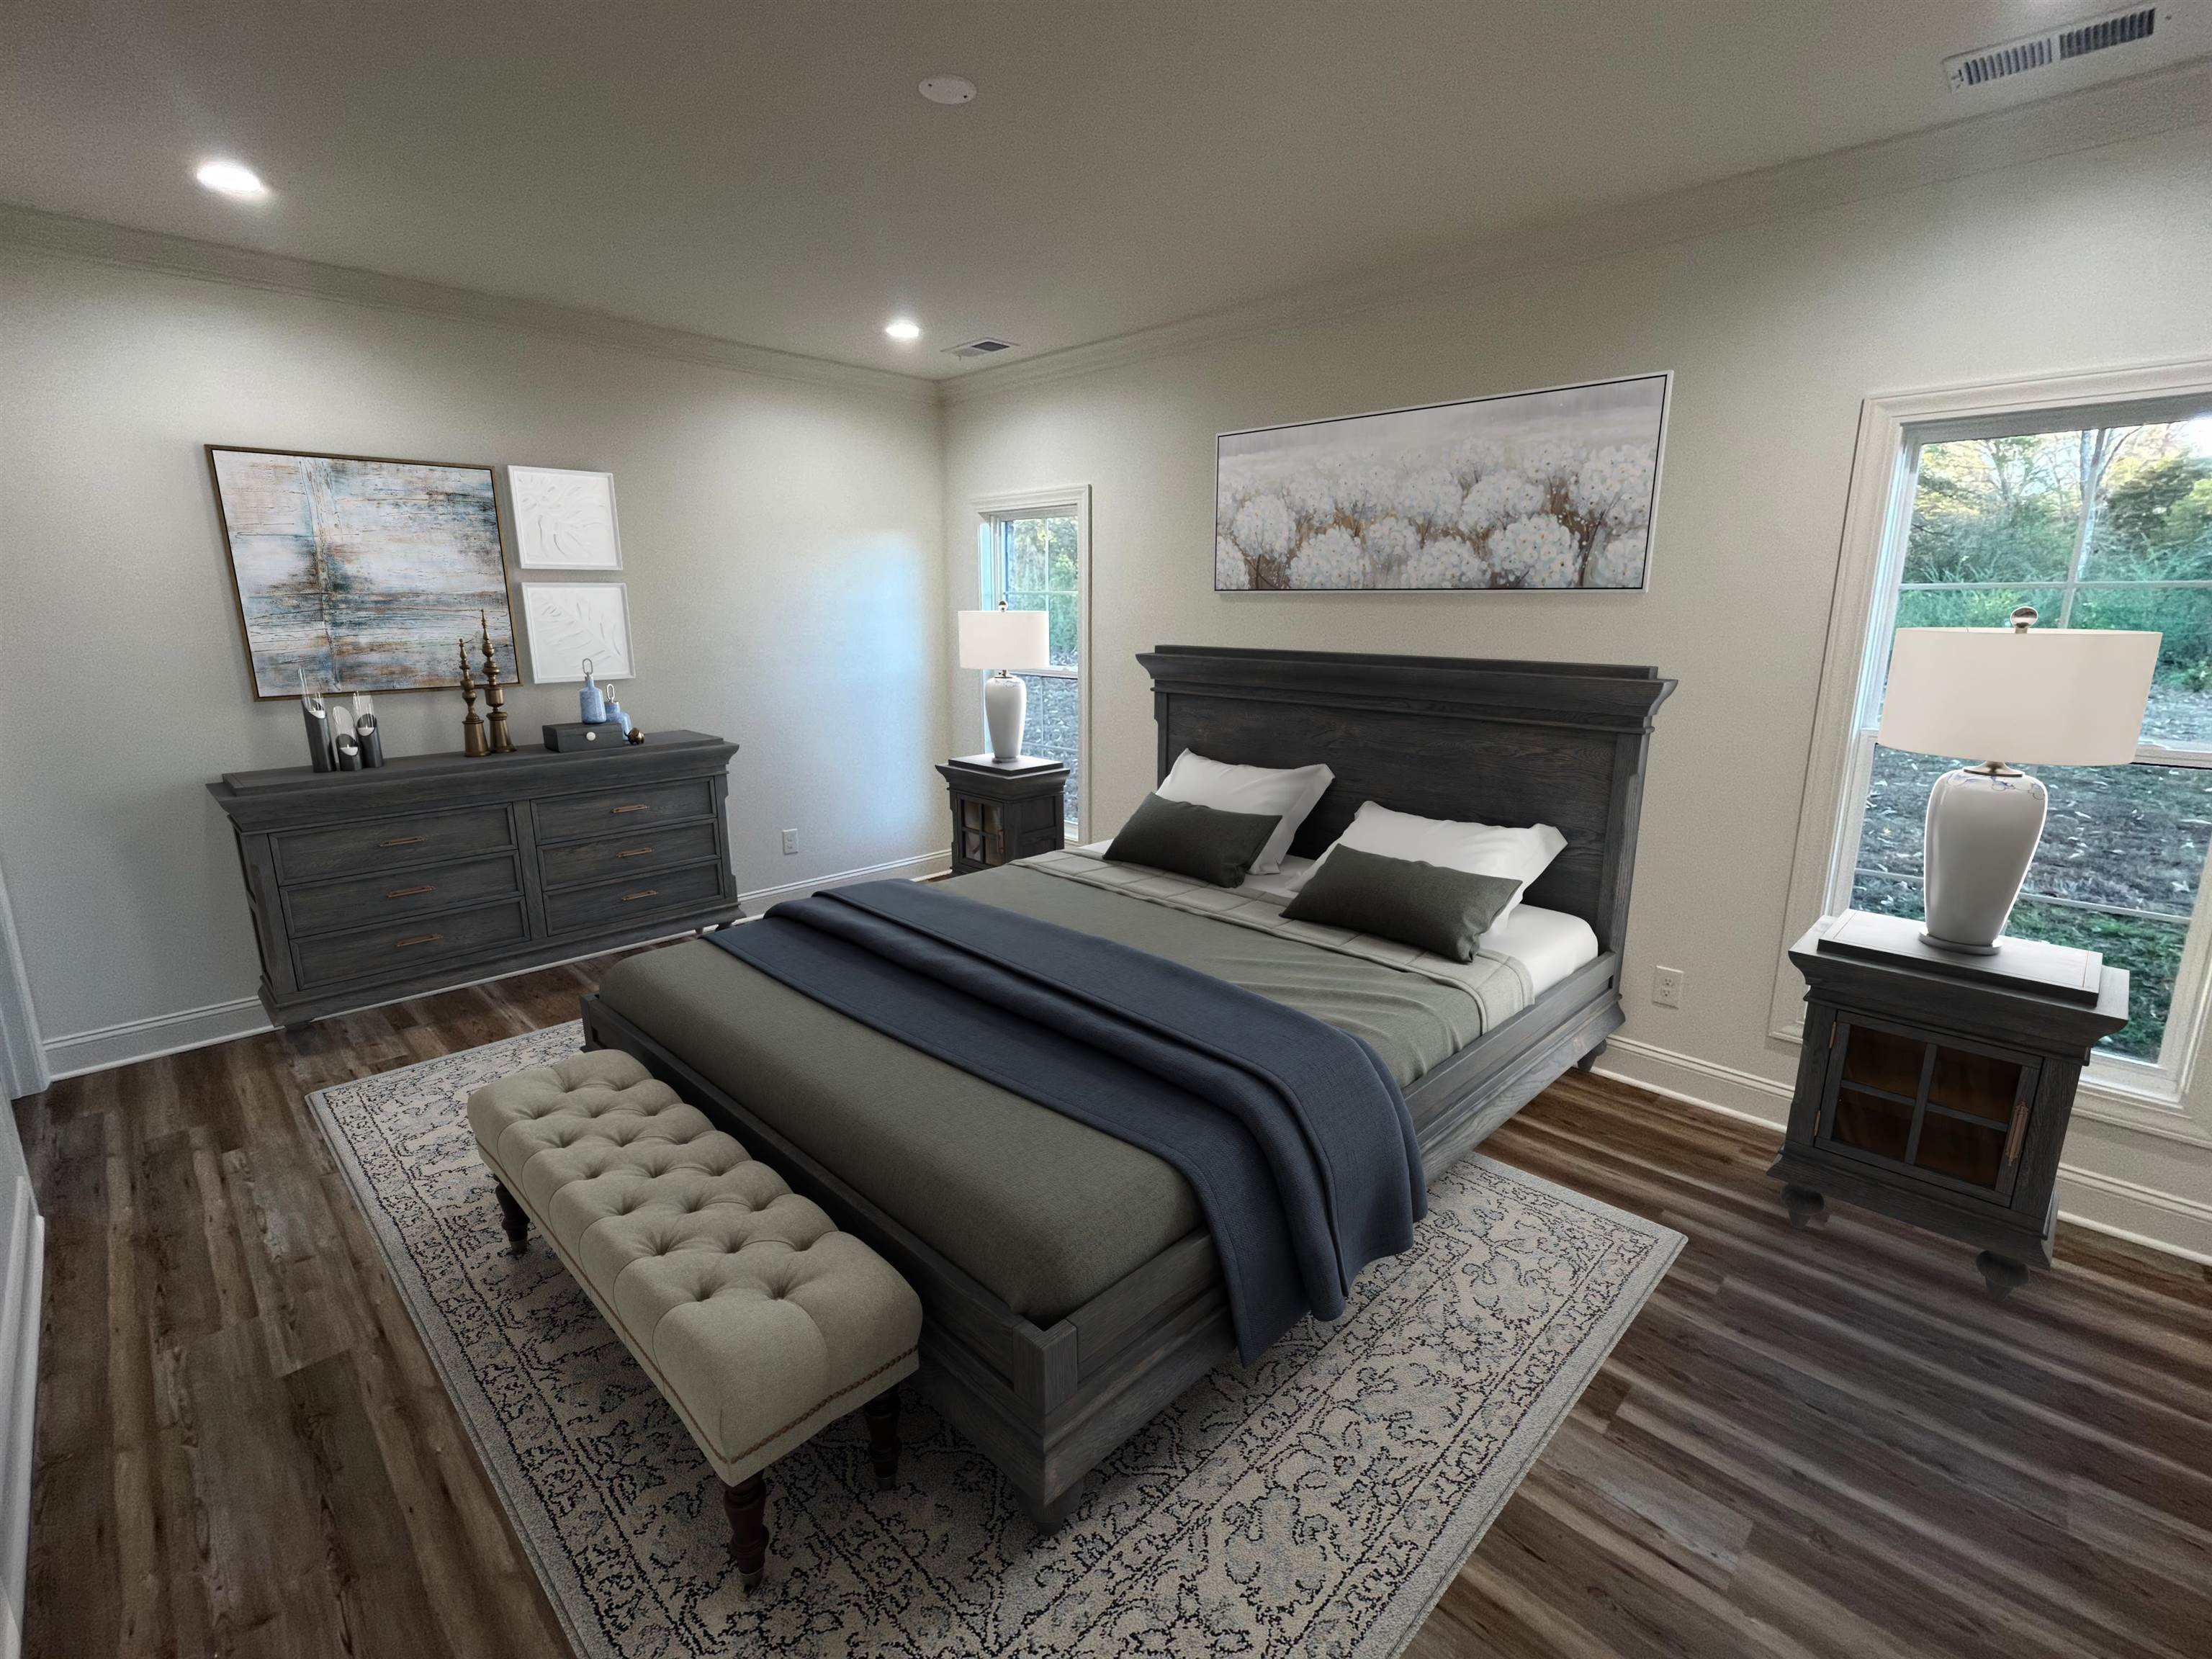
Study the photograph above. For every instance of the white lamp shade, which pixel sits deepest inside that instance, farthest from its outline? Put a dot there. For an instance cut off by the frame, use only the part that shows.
(2049, 696)
(1004, 639)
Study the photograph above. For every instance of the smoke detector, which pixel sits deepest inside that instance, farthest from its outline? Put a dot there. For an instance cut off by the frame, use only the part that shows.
(982, 347)
(948, 90)
(2054, 46)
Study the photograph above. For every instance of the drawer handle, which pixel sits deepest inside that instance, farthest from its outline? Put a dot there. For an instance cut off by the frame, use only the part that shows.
(646, 893)
(417, 938)
(2012, 1140)
(635, 851)
(631, 809)
(409, 892)
(402, 840)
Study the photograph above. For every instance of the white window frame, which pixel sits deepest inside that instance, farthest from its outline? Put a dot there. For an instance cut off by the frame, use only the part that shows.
(2144, 1095)
(1069, 501)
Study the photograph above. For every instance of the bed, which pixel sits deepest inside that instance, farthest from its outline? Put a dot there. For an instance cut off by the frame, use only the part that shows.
(1069, 1284)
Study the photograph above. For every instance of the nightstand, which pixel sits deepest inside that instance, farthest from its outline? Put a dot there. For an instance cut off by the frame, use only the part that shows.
(1937, 1087)
(1004, 810)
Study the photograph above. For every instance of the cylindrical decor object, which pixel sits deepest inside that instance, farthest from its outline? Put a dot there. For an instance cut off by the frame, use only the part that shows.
(319, 753)
(371, 736)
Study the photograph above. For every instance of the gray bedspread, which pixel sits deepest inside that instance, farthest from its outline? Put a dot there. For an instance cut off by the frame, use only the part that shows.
(1045, 1212)
(1291, 1132)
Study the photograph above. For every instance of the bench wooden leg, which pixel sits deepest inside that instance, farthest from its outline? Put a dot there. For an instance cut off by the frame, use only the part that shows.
(747, 1505)
(882, 1415)
(513, 1218)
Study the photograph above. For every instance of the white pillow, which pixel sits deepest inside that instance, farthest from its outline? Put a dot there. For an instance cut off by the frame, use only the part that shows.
(1287, 793)
(1480, 849)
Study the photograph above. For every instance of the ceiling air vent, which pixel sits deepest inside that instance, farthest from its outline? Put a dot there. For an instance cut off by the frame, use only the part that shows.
(2039, 51)
(982, 347)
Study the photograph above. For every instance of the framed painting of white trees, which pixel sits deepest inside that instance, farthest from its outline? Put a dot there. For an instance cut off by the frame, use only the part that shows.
(1551, 489)
(564, 520)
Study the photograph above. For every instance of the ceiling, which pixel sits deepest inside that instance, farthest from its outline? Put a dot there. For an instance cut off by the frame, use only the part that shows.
(768, 173)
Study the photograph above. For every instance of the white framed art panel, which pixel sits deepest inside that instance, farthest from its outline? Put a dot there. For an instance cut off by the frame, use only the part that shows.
(564, 520)
(568, 622)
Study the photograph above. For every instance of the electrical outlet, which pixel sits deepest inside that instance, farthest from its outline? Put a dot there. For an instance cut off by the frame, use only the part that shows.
(790, 842)
(1667, 986)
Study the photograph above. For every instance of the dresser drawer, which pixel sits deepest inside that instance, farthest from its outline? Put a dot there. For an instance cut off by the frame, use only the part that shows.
(376, 844)
(617, 904)
(423, 891)
(616, 811)
(394, 950)
(623, 857)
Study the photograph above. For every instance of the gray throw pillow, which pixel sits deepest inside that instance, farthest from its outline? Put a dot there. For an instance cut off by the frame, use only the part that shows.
(1441, 911)
(1200, 842)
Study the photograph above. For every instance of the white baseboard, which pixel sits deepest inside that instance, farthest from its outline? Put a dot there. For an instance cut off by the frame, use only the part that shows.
(2106, 1203)
(921, 864)
(150, 1039)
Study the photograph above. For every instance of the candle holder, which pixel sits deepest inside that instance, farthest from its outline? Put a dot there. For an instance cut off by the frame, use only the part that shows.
(472, 729)
(501, 742)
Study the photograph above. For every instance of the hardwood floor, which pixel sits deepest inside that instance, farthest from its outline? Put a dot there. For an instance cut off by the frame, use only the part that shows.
(1828, 1442)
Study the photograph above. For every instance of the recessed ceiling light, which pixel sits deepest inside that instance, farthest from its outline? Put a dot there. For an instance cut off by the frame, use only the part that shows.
(948, 90)
(904, 328)
(232, 179)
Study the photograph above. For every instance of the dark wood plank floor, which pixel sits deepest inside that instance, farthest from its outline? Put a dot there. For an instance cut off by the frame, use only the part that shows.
(1820, 1443)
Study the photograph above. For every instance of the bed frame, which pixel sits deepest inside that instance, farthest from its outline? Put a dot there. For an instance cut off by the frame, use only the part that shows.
(1511, 742)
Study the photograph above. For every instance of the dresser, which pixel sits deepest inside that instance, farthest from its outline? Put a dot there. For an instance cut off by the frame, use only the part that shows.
(434, 870)
(1936, 1088)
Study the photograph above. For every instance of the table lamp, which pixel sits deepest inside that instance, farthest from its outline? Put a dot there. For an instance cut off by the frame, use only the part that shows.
(1001, 640)
(2071, 697)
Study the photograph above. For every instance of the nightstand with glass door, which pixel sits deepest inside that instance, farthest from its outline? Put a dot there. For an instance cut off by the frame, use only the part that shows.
(1935, 1088)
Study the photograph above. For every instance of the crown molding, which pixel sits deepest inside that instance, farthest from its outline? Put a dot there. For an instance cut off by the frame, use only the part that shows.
(183, 256)
(2139, 107)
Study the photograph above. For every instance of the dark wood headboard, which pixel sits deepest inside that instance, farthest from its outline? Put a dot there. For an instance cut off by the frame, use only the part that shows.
(1496, 742)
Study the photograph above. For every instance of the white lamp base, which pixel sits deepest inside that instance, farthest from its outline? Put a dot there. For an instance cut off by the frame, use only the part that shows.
(1006, 701)
(1983, 827)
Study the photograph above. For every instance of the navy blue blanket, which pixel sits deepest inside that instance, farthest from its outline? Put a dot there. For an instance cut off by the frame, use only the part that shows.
(1293, 1136)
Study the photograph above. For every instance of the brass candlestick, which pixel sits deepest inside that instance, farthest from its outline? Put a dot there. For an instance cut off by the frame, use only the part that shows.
(502, 744)
(472, 729)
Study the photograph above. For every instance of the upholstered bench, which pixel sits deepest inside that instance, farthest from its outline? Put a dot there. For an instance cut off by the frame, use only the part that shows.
(756, 1318)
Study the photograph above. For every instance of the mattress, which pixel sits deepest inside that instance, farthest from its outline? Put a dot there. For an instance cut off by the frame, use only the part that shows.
(1044, 1211)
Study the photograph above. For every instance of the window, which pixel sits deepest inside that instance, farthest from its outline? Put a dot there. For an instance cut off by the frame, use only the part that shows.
(2100, 518)
(1034, 550)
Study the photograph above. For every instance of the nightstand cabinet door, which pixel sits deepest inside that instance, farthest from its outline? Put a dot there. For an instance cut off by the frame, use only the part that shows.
(1937, 1109)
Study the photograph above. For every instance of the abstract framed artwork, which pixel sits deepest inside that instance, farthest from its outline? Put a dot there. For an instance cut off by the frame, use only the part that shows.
(1551, 489)
(353, 573)
(568, 622)
(564, 520)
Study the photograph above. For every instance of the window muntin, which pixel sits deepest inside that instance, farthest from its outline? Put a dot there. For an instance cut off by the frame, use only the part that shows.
(2097, 523)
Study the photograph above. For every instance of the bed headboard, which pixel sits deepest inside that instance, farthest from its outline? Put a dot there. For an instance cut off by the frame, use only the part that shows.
(1508, 742)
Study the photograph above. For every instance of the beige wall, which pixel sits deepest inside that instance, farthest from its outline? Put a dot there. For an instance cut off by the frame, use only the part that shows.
(1775, 333)
(780, 541)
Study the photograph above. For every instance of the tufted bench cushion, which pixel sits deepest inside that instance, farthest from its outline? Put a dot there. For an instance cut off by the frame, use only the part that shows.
(759, 1320)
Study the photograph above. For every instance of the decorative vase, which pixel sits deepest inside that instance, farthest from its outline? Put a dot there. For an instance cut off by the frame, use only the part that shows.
(591, 702)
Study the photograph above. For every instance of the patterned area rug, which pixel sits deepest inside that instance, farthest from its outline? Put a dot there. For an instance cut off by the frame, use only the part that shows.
(1316, 1504)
